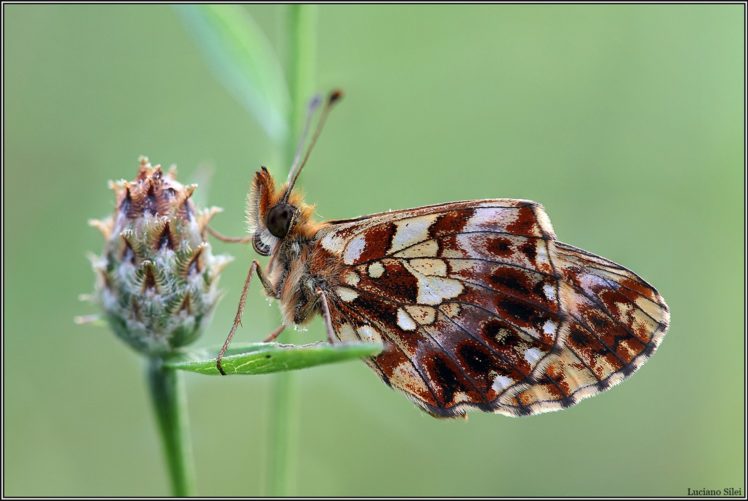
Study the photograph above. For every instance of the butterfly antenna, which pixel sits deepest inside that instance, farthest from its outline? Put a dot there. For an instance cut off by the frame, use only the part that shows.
(310, 110)
(296, 167)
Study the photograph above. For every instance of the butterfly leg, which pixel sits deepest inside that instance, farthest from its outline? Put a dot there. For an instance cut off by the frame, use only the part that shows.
(326, 316)
(254, 268)
(271, 337)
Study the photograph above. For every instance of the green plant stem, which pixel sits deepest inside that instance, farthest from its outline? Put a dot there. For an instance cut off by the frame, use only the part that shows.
(301, 46)
(170, 403)
(300, 50)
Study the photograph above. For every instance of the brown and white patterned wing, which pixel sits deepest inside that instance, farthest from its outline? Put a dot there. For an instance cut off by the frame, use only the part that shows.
(480, 307)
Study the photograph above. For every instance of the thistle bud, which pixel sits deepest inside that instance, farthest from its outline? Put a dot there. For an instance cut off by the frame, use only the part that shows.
(157, 279)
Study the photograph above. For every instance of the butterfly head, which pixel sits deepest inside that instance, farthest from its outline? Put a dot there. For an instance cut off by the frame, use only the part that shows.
(275, 215)
(281, 215)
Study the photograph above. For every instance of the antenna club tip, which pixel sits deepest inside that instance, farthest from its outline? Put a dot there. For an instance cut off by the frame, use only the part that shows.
(335, 95)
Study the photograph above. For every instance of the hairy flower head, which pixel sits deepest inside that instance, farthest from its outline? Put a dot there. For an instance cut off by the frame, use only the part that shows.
(157, 278)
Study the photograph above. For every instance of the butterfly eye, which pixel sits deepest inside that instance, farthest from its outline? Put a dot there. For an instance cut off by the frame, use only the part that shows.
(279, 219)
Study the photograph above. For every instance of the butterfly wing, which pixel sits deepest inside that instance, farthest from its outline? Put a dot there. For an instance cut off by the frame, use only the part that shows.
(479, 306)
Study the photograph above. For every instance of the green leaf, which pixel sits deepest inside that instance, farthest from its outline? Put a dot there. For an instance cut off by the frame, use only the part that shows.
(264, 358)
(244, 61)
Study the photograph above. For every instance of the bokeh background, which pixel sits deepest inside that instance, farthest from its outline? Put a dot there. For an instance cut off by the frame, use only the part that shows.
(625, 121)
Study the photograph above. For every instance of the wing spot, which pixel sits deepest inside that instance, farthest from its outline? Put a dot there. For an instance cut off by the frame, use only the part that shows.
(501, 332)
(549, 327)
(447, 381)
(475, 358)
(434, 290)
(516, 309)
(412, 230)
(450, 309)
(404, 321)
(346, 333)
(429, 248)
(511, 279)
(579, 337)
(529, 250)
(354, 249)
(500, 246)
(368, 333)
(501, 383)
(346, 294)
(351, 278)
(429, 267)
(376, 270)
(424, 315)
(532, 355)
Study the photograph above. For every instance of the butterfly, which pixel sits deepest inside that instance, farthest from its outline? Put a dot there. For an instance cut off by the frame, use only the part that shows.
(477, 304)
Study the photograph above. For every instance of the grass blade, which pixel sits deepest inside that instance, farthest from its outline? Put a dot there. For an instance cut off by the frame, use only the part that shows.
(244, 61)
(264, 358)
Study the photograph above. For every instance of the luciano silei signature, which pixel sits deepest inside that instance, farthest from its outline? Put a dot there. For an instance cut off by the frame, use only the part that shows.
(727, 491)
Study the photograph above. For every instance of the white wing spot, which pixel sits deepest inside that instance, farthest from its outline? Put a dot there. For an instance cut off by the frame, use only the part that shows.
(404, 320)
(501, 383)
(451, 309)
(424, 315)
(549, 327)
(346, 294)
(368, 333)
(483, 217)
(487, 217)
(411, 231)
(346, 333)
(429, 248)
(431, 267)
(533, 355)
(352, 278)
(549, 291)
(376, 269)
(434, 290)
(354, 249)
(333, 242)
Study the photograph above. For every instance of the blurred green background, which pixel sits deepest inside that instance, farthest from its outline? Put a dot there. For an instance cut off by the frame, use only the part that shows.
(625, 121)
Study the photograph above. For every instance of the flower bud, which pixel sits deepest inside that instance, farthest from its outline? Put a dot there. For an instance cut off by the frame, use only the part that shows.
(157, 279)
